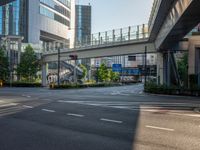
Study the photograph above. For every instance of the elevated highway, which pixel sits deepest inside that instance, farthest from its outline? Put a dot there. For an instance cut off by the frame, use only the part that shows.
(171, 20)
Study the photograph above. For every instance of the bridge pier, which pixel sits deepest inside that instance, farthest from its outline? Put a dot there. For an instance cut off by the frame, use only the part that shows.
(44, 74)
(167, 73)
(160, 71)
(194, 60)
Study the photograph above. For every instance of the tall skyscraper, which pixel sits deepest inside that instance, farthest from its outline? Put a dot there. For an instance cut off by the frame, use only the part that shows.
(83, 24)
(44, 22)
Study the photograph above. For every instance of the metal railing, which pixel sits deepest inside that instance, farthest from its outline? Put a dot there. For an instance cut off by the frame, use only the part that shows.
(114, 36)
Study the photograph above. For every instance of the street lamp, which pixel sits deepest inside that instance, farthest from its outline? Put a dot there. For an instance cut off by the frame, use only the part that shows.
(59, 66)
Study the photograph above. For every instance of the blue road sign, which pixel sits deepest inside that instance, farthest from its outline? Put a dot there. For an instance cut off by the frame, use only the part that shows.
(134, 71)
(117, 67)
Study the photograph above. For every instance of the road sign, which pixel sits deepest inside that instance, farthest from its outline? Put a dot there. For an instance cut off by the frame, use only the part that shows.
(133, 71)
(117, 68)
(97, 63)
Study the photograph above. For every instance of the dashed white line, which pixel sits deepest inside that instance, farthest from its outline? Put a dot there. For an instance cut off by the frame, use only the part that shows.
(1, 101)
(48, 110)
(113, 121)
(28, 96)
(9, 104)
(26, 106)
(160, 128)
(187, 115)
(75, 115)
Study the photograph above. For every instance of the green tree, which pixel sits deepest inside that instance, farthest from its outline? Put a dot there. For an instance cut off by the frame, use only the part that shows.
(29, 65)
(114, 76)
(84, 71)
(183, 69)
(4, 65)
(103, 73)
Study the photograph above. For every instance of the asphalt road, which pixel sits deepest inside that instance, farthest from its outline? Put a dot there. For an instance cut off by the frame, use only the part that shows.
(117, 118)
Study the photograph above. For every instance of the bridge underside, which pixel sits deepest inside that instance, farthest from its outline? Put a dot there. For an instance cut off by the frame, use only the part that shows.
(183, 17)
(103, 51)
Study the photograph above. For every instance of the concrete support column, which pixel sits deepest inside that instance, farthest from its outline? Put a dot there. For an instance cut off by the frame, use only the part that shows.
(44, 74)
(160, 71)
(197, 65)
(9, 51)
(168, 69)
(19, 50)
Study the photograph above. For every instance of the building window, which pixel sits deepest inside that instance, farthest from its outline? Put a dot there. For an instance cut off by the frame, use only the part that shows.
(46, 12)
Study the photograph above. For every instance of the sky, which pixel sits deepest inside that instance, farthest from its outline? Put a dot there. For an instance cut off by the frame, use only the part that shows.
(114, 14)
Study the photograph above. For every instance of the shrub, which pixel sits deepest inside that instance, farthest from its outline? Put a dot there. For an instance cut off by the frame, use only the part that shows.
(23, 84)
(172, 90)
(74, 86)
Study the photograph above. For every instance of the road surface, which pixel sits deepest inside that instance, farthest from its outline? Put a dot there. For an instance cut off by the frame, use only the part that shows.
(115, 118)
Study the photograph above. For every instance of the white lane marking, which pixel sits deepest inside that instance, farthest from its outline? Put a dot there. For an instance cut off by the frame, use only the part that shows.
(75, 115)
(1, 101)
(26, 106)
(48, 110)
(109, 120)
(9, 104)
(188, 115)
(28, 96)
(159, 128)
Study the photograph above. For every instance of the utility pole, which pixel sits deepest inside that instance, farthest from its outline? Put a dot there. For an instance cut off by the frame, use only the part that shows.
(145, 66)
(59, 66)
(75, 79)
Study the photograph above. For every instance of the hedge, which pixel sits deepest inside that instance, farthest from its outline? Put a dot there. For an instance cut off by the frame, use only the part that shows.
(22, 84)
(172, 90)
(75, 86)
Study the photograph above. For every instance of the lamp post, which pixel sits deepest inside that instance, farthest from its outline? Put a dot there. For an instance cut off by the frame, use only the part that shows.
(59, 66)
(145, 66)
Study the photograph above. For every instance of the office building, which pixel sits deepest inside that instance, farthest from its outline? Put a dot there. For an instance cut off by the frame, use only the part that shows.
(83, 24)
(42, 22)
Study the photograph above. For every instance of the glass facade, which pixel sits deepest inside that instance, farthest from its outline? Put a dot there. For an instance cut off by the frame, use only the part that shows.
(13, 18)
(83, 24)
(54, 9)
